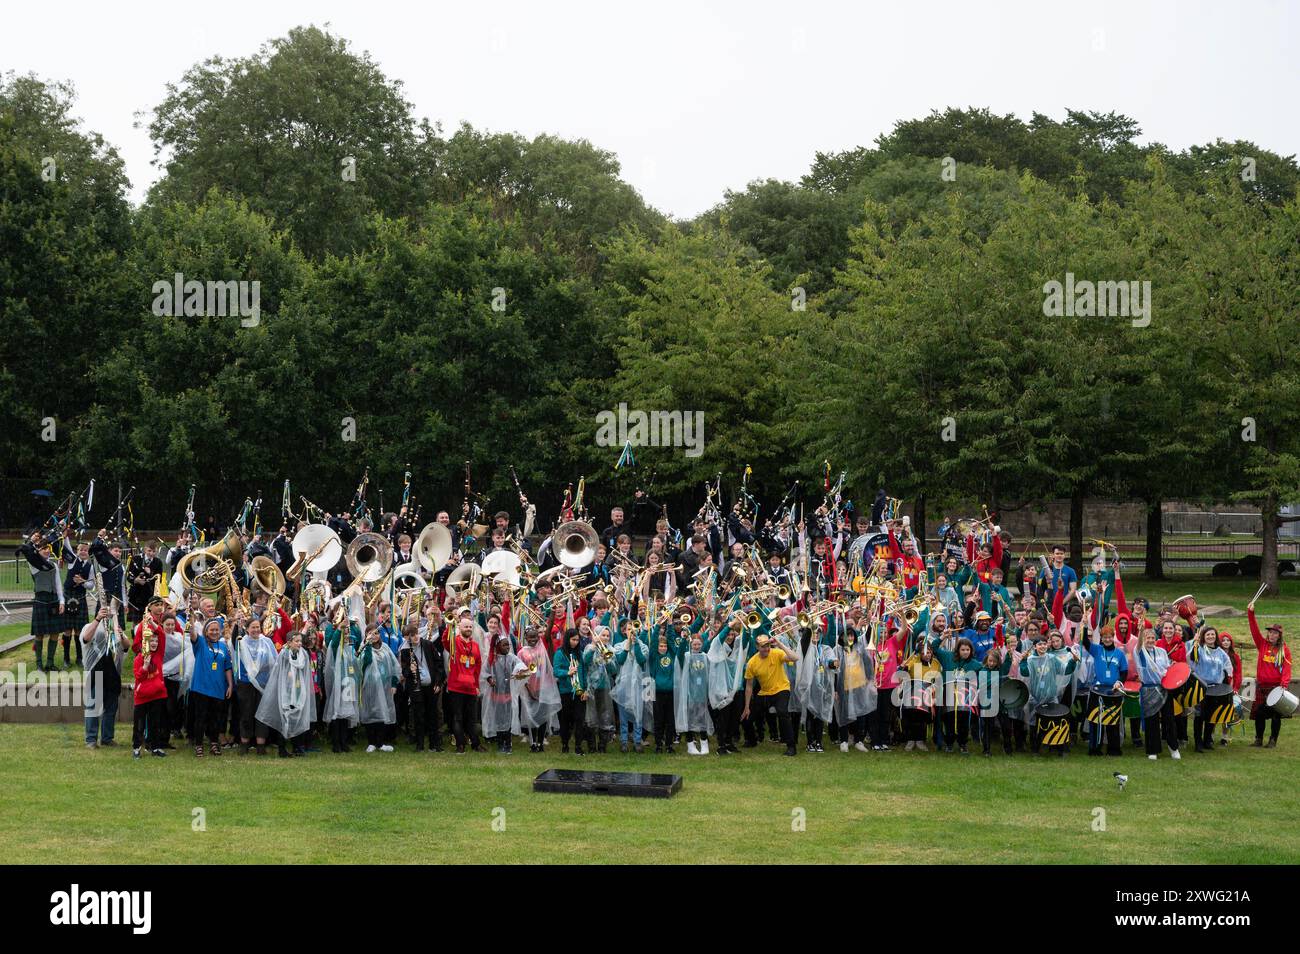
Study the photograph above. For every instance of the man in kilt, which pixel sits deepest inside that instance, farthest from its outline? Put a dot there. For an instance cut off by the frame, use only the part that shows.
(75, 612)
(47, 597)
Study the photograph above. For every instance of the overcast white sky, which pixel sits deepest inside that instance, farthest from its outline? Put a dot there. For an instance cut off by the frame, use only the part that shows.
(695, 98)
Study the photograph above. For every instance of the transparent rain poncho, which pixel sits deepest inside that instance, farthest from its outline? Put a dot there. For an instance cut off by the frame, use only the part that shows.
(539, 697)
(288, 704)
(691, 693)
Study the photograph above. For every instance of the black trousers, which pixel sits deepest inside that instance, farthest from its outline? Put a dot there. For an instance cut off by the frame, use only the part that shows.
(209, 717)
(815, 727)
(425, 711)
(663, 718)
(1161, 724)
(955, 722)
(174, 723)
(777, 704)
(402, 702)
(882, 719)
(1267, 714)
(916, 722)
(855, 730)
(249, 728)
(376, 733)
(463, 707)
(573, 719)
(1096, 732)
(150, 717)
(725, 721)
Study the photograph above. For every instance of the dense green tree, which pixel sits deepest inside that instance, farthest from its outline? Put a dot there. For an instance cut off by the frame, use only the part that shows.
(64, 228)
(278, 129)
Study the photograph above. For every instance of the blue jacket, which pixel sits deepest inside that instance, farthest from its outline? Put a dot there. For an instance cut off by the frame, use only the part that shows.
(1109, 665)
(1211, 666)
(982, 643)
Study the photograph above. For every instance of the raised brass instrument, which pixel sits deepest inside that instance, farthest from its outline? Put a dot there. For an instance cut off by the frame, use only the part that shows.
(266, 576)
(316, 549)
(575, 544)
(206, 564)
(369, 557)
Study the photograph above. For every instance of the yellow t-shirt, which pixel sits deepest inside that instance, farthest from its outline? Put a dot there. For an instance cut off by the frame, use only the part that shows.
(769, 672)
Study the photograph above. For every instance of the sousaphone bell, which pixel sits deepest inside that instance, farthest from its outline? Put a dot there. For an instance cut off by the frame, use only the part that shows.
(369, 557)
(575, 544)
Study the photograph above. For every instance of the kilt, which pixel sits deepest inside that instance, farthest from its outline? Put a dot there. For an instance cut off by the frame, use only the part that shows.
(1260, 707)
(46, 618)
(75, 614)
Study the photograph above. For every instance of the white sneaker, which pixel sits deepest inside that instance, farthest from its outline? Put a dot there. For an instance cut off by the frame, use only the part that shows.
(704, 746)
(859, 746)
(909, 746)
(385, 748)
(844, 746)
(1176, 755)
(370, 748)
(1153, 758)
(923, 747)
(692, 748)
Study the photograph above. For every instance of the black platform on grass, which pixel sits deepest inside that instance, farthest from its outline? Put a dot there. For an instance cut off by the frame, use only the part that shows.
(636, 784)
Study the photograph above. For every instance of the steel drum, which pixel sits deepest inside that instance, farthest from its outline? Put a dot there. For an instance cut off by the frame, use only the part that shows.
(1012, 694)
(1152, 700)
(1283, 701)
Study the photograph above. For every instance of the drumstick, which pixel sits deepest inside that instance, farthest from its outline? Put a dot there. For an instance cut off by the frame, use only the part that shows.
(1259, 592)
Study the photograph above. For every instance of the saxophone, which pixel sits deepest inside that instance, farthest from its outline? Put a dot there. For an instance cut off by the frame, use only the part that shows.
(575, 678)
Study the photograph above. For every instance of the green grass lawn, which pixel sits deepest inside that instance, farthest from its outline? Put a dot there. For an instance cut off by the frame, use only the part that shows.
(64, 803)
(61, 802)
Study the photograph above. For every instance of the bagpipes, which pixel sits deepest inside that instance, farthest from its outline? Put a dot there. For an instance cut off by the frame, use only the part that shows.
(747, 508)
(359, 509)
(473, 512)
(122, 528)
(71, 513)
(711, 511)
(188, 523)
(408, 516)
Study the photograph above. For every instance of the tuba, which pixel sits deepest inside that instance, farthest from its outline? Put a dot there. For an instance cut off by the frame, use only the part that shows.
(264, 575)
(316, 548)
(464, 579)
(433, 547)
(204, 570)
(369, 557)
(575, 544)
(502, 566)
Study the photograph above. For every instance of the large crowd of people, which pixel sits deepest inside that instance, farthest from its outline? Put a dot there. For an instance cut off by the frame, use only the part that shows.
(839, 629)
